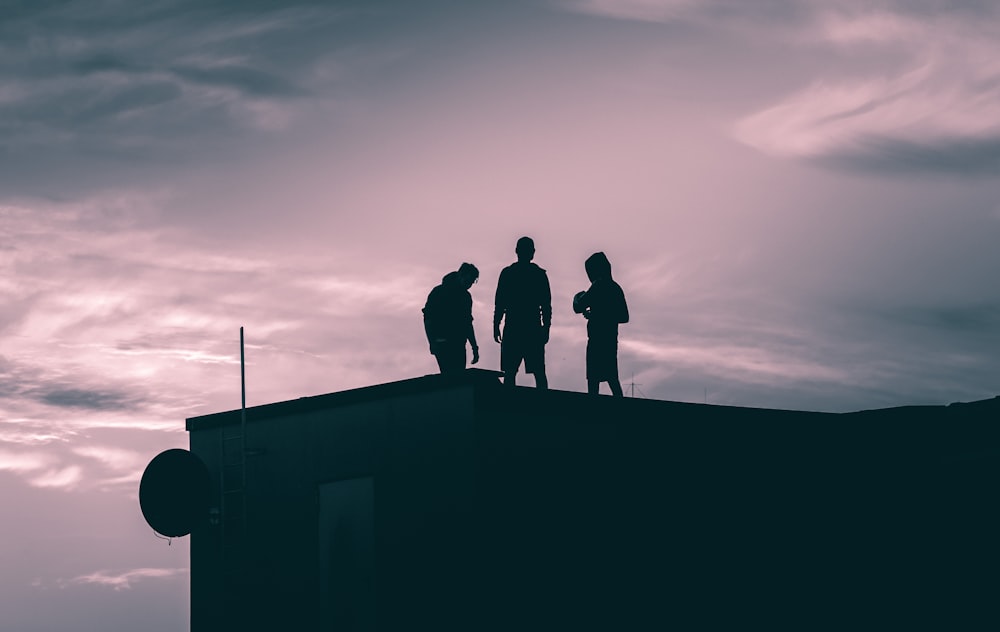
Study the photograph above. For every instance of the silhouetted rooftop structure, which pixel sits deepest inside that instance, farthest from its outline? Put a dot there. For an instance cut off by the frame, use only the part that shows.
(456, 504)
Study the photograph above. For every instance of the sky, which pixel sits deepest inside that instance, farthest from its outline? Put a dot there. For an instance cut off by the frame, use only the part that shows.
(800, 199)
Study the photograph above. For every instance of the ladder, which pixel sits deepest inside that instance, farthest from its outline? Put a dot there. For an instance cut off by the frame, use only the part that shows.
(233, 479)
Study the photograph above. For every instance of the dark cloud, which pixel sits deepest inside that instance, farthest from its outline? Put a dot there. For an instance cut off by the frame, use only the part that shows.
(972, 320)
(961, 327)
(885, 155)
(90, 85)
(90, 399)
(246, 80)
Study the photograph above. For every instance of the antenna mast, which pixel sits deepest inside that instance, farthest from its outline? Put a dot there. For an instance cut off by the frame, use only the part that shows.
(632, 386)
(243, 433)
(243, 395)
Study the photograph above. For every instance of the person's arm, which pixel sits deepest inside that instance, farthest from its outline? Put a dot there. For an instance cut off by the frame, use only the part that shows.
(499, 305)
(472, 343)
(546, 302)
(471, 336)
(623, 306)
(546, 307)
(431, 320)
(583, 301)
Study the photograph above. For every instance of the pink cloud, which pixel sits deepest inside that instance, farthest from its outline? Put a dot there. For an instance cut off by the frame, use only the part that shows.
(940, 98)
(123, 580)
(119, 459)
(753, 365)
(66, 478)
(873, 26)
(640, 10)
(21, 462)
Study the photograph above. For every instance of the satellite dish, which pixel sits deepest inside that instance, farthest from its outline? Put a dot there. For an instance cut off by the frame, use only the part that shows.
(174, 493)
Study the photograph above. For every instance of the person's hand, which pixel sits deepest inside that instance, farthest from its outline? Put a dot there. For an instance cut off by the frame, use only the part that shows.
(496, 335)
(475, 355)
(545, 335)
(586, 313)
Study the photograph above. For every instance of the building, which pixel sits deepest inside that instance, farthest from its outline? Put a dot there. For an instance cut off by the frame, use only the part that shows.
(462, 505)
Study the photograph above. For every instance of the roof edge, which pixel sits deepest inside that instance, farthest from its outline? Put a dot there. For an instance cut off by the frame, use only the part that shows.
(423, 384)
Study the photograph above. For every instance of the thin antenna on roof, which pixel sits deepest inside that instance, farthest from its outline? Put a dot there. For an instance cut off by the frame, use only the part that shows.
(243, 436)
(233, 481)
(243, 395)
(632, 386)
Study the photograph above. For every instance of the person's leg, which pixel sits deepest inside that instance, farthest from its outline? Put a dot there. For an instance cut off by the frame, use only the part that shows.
(534, 362)
(541, 382)
(511, 354)
(451, 359)
(616, 387)
(510, 371)
(613, 381)
(593, 384)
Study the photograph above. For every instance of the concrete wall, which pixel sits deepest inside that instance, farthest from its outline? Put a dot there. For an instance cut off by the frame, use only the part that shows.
(417, 449)
(497, 509)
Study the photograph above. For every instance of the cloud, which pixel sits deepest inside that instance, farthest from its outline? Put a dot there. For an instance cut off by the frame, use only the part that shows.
(119, 467)
(66, 478)
(20, 462)
(124, 580)
(118, 459)
(117, 324)
(32, 434)
(639, 10)
(935, 110)
(907, 87)
(749, 365)
(881, 154)
(872, 26)
(80, 460)
(84, 398)
(133, 86)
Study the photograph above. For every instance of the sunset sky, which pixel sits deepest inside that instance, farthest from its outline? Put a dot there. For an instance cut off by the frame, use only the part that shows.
(800, 199)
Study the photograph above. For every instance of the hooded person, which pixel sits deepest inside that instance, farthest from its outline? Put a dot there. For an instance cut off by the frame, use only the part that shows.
(604, 307)
(448, 319)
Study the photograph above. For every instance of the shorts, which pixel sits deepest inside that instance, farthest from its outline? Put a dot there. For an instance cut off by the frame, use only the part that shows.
(450, 356)
(602, 359)
(522, 345)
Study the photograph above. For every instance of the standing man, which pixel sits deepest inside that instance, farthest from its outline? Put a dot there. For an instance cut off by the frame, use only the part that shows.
(524, 302)
(448, 320)
(604, 307)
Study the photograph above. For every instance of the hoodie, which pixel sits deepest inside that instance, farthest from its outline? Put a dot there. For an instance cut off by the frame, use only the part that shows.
(448, 312)
(605, 299)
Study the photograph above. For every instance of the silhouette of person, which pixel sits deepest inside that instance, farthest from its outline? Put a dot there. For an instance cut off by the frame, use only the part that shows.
(524, 303)
(448, 319)
(603, 305)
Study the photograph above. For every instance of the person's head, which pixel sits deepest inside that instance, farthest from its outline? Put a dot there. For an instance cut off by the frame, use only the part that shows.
(598, 267)
(468, 274)
(525, 249)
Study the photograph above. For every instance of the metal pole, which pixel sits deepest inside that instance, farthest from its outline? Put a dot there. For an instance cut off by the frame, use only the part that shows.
(243, 392)
(243, 429)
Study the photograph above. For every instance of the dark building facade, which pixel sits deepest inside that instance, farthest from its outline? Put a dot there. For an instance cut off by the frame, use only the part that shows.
(458, 505)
